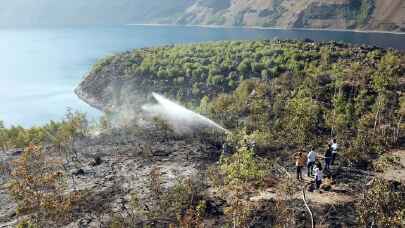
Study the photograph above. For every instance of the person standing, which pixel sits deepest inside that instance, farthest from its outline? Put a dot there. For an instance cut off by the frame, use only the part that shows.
(311, 158)
(318, 176)
(226, 151)
(300, 160)
(334, 151)
(252, 146)
(328, 157)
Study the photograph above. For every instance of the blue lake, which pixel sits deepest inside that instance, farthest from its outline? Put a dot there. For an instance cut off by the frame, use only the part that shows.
(39, 68)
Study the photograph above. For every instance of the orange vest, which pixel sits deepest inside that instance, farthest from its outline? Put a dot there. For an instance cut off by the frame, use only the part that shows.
(300, 160)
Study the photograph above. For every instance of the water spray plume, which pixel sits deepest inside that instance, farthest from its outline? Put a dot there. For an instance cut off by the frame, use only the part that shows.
(179, 116)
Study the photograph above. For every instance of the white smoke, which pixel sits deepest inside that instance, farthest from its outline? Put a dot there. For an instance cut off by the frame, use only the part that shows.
(180, 118)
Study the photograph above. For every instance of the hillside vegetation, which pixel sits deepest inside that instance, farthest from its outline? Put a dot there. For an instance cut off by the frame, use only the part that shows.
(275, 97)
(282, 92)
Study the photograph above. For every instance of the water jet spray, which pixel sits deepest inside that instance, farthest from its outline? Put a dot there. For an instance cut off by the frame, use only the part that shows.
(178, 116)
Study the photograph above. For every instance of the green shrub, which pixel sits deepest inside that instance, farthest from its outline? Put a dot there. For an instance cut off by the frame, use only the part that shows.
(382, 205)
(387, 161)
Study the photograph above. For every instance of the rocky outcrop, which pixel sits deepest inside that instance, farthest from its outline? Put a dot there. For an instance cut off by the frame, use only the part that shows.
(109, 89)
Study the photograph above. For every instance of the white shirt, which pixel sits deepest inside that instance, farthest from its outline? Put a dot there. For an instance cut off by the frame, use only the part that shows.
(334, 147)
(318, 174)
(311, 156)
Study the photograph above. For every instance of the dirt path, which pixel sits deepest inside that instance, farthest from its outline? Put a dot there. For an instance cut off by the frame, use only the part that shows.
(343, 192)
(339, 194)
(335, 206)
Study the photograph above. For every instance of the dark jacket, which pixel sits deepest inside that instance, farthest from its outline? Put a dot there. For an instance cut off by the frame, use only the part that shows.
(328, 153)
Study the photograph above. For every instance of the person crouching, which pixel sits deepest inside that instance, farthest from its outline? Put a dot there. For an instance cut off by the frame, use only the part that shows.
(318, 176)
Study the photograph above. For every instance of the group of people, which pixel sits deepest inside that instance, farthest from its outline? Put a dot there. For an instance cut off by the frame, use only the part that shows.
(311, 160)
(313, 164)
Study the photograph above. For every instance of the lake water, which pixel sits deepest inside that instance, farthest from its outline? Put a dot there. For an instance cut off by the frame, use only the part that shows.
(39, 68)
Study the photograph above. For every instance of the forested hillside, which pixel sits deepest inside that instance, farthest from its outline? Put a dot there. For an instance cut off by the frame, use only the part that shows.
(283, 92)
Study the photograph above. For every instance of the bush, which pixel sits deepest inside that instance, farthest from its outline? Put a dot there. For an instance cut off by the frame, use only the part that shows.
(241, 167)
(387, 161)
(181, 204)
(382, 205)
(38, 185)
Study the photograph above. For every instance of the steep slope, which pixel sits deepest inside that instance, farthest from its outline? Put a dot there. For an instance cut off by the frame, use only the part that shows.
(337, 14)
(388, 15)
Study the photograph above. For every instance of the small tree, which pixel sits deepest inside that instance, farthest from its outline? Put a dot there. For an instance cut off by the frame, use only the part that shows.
(302, 119)
(3, 137)
(240, 171)
(241, 167)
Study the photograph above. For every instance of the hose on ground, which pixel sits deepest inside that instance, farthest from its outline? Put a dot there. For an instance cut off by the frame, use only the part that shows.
(304, 198)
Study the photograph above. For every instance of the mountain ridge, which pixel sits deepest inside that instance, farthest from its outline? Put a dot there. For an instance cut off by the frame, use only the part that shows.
(336, 14)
